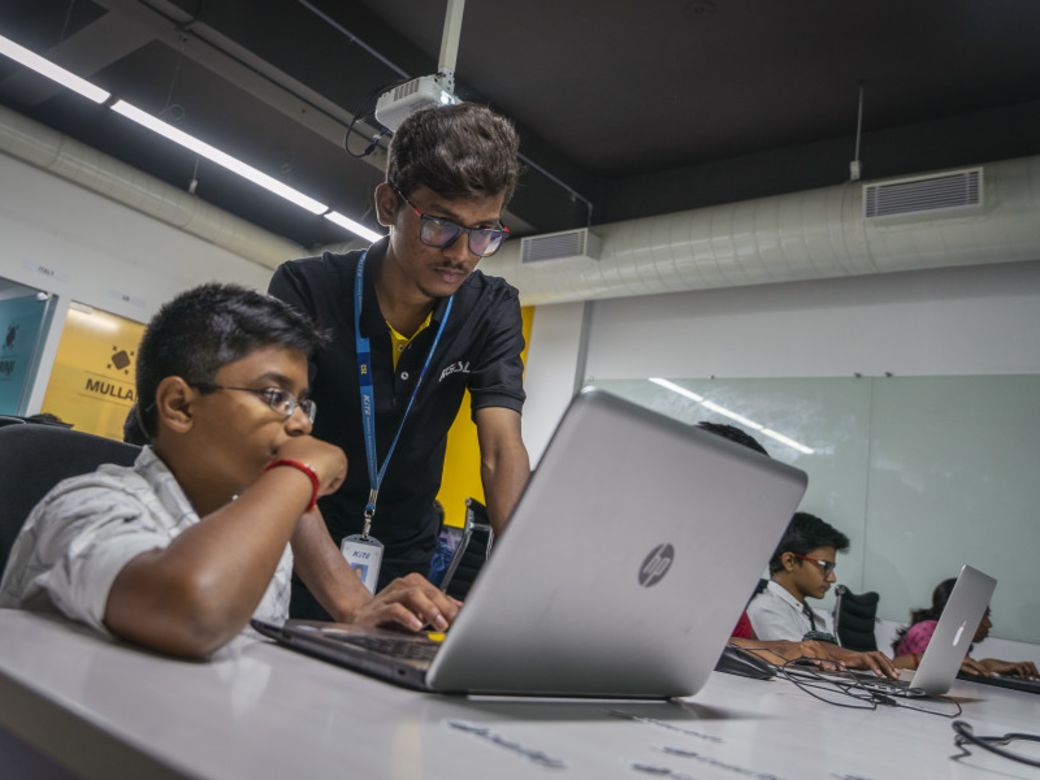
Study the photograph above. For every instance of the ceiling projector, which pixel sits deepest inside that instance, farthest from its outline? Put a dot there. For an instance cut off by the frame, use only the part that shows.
(397, 104)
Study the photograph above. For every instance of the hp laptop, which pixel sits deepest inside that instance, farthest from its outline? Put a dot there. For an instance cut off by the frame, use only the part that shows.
(950, 641)
(623, 570)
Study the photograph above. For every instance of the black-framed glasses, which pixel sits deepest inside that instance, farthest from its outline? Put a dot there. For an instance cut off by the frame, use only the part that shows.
(441, 233)
(278, 398)
(825, 566)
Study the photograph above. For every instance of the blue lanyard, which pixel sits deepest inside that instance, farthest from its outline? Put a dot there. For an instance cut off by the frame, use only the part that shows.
(368, 396)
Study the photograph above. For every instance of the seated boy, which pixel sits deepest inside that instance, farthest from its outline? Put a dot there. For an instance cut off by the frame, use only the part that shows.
(179, 551)
(802, 567)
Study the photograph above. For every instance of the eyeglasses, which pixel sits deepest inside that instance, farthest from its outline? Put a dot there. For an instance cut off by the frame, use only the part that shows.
(442, 233)
(279, 399)
(825, 566)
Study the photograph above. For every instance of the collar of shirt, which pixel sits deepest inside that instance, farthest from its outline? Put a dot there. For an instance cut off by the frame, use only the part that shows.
(170, 494)
(372, 320)
(786, 596)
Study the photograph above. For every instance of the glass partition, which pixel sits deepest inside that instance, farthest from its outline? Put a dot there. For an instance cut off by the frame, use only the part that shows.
(924, 474)
(25, 313)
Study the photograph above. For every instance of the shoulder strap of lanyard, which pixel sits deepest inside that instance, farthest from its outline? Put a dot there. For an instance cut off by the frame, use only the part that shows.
(368, 398)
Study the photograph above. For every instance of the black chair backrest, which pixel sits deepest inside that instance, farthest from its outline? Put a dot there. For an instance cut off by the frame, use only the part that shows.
(854, 619)
(470, 559)
(35, 458)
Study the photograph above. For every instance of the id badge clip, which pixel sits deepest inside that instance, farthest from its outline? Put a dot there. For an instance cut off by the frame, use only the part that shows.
(364, 553)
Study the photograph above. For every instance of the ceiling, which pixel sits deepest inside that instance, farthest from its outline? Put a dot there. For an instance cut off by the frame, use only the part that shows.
(640, 108)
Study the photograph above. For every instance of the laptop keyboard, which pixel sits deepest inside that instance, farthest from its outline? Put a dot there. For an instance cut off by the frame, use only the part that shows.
(411, 649)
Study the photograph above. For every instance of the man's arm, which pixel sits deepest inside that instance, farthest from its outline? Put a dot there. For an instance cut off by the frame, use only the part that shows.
(504, 464)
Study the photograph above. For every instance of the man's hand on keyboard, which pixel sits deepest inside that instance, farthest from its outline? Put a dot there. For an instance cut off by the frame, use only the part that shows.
(409, 602)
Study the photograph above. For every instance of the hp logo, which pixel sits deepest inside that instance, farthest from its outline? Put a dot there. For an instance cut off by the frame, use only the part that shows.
(656, 565)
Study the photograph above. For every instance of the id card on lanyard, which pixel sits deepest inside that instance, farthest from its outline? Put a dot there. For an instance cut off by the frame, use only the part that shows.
(364, 553)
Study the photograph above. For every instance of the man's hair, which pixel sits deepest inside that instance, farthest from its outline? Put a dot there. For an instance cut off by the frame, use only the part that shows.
(207, 327)
(805, 533)
(459, 151)
(734, 434)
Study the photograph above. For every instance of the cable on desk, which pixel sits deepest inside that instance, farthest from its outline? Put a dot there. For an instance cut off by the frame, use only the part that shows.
(964, 734)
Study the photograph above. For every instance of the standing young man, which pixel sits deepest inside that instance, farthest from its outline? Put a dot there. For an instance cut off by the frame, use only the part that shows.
(802, 567)
(415, 324)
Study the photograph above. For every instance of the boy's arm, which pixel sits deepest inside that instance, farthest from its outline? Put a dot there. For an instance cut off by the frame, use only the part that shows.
(193, 596)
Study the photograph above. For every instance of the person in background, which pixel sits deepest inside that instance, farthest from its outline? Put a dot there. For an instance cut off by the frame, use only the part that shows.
(912, 641)
(802, 567)
(781, 651)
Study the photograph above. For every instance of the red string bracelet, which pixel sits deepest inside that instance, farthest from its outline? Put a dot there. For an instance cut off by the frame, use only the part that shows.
(303, 467)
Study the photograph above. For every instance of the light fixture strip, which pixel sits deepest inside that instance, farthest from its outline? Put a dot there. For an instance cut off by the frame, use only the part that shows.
(203, 149)
(722, 410)
(81, 86)
(48, 69)
(354, 227)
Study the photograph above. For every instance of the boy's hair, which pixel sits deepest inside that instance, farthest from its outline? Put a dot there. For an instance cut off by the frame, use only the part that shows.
(207, 327)
(805, 533)
(734, 434)
(459, 151)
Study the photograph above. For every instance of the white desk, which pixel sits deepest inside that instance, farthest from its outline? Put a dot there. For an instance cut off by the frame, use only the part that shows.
(259, 711)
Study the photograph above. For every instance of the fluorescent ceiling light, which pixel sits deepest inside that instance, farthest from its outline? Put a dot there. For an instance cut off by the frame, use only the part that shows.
(35, 62)
(354, 227)
(222, 159)
(676, 389)
(718, 409)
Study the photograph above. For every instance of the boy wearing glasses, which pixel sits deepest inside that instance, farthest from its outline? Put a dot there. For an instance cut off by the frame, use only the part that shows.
(177, 552)
(414, 325)
(802, 567)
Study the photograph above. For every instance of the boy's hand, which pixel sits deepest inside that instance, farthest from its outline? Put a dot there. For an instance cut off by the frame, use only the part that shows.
(409, 602)
(327, 460)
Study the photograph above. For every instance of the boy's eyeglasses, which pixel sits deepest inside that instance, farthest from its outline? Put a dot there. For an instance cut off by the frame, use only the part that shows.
(825, 566)
(441, 233)
(279, 399)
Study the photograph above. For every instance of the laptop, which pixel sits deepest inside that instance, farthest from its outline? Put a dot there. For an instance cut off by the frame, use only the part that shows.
(622, 573)
(951, 640)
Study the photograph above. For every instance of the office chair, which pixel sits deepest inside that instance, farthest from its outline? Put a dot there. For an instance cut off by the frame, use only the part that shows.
(7, 419)
(854, 619)
(34, 458)
(472, 553)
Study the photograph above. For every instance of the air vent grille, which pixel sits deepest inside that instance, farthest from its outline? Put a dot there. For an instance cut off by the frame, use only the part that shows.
(406, 89)
(957, 190)
(557, 246)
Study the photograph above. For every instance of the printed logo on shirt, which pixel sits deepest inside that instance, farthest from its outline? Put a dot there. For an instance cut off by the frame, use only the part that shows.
(12, 334)
(458, 367)
(656, 565)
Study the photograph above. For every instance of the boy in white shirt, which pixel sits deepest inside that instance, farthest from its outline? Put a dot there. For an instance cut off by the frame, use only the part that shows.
(802, 567)
(178, 552)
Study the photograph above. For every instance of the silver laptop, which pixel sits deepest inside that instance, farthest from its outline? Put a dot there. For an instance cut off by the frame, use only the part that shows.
(951, 640)
(622, 573)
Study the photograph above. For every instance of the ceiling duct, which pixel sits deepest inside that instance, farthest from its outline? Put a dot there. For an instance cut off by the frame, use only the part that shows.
(31, 142)
(951, 192)
(815, 234)
(567, 244)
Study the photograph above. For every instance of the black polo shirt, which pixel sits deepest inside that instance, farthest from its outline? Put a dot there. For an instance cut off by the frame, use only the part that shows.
(479, 351)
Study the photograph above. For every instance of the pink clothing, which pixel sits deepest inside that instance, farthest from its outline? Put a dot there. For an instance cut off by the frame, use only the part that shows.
(917, 637)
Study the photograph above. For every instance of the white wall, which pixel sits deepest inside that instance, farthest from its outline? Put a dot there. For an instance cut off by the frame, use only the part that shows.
(554, 358)
(67, 240)
(970, 320)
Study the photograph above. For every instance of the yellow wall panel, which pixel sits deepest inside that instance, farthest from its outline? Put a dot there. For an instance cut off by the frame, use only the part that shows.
(92, 381)
(461, 478)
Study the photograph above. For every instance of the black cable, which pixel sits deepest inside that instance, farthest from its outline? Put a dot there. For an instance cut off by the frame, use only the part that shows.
(364, 112)
(964, 734)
